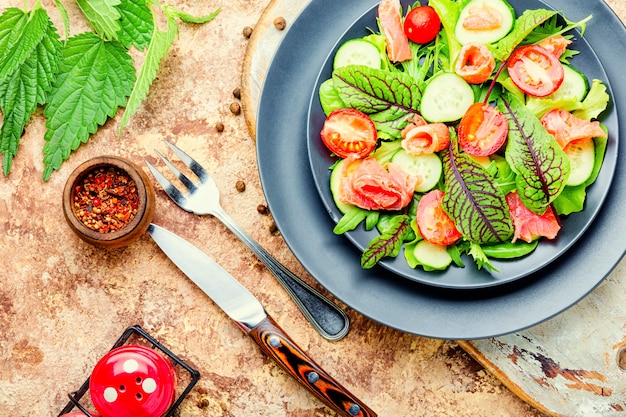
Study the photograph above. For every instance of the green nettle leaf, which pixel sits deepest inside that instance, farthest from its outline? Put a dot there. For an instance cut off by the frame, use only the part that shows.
(26, 87)
(95, 78)
(541, 166)
(159, 45)
(524, 25)
(473, 201)
(188, 18)
(136, 24)
(102, 15)
(389, 243)
(22, 40)
(388, 98)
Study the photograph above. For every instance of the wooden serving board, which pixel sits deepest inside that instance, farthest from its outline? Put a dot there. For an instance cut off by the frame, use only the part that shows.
(570, 366)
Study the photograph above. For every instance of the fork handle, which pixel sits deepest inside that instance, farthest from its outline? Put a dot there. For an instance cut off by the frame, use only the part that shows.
(326, 317)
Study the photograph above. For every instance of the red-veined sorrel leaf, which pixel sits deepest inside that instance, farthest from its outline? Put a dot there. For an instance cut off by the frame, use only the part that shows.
(541, 166)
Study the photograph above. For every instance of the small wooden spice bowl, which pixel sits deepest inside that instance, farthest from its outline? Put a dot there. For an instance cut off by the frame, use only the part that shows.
(109, 201)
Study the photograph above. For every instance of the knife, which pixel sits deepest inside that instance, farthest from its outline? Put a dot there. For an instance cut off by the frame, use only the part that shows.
(243, 307)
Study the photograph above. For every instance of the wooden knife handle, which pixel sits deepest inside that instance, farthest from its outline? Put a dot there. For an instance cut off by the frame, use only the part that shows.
(275, 343)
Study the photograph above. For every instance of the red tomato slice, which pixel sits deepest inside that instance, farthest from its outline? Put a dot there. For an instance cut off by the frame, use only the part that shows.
(483, 130)
(535, 70)
(475, 63)
(422, 24)
(433, 223)
(349, 132)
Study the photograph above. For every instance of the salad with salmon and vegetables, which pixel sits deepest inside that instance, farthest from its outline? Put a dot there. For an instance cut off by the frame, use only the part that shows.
(460, 128)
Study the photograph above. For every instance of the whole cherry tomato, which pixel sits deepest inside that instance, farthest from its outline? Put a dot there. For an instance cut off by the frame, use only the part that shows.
(422, 24)
(132, 381)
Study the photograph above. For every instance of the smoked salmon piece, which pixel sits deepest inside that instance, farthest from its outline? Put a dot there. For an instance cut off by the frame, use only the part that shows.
(565, 127)
(390, 16)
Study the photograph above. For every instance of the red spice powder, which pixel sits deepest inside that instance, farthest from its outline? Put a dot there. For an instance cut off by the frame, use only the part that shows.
(106, 199)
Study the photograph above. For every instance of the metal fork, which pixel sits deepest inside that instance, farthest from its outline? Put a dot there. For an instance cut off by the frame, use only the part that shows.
(204, 198)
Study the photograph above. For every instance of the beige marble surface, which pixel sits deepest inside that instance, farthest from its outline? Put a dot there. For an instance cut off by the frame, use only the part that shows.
(63, 302)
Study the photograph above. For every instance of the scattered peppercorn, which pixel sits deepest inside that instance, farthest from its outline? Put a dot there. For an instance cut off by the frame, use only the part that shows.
(247, 32)
(235, 108)
(262, 209)
(273, 229)
(203, 403)
(240, 186)
(237, 93)
(106, 200)
(280, 23)
(219, 126)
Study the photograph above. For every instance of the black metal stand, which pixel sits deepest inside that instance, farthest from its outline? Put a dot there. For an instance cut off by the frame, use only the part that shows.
(137, 332)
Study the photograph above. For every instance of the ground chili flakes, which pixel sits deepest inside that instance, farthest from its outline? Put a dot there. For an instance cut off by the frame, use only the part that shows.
(106, 200)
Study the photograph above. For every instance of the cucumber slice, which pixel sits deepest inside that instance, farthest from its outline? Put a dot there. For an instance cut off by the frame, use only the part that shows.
(335, 186)
(581, 154)
(575, 84)
(357, 52)
(431, 256)
(502, 12)
(446, 98)
(427, 167)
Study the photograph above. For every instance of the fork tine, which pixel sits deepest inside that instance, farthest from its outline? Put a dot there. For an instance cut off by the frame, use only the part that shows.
(197, 169)
(182, 177)
(168, 187)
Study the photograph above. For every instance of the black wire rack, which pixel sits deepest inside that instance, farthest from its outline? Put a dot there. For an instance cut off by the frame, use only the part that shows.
(139, 335)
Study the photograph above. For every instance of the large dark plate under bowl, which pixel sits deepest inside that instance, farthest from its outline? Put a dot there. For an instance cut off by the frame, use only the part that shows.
(380, 294)
(469, 277)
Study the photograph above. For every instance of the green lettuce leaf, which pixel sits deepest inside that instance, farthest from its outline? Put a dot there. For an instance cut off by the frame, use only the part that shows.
(329, 97)
(388, 98)
(572, 199)
(473, 201)
(524, 25)
(541, 166)
(595, 103)
(95, 78)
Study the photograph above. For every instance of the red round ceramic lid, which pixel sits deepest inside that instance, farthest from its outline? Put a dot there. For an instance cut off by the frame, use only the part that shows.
(132, 381)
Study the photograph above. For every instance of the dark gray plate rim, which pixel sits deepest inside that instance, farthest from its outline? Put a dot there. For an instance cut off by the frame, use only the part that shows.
(379, 294)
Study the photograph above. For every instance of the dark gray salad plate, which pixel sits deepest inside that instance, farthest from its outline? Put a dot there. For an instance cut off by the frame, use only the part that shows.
(469, 305)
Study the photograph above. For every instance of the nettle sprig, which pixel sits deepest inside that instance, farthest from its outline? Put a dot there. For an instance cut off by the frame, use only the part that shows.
(83, 80)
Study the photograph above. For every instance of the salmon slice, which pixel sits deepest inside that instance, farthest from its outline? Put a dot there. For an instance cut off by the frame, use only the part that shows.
(389, 14)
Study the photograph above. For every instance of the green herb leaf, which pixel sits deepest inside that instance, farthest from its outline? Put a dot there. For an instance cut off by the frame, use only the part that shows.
(136, 24)
(65, 18)
(102, 15)
(473, 201)
(188, 18)
(159, 45)
(389, 243)
(26, 87)
(388, 98)
(480, 258)
(541, 166)
(22, 39)
(95, 78)
(449, 12)
(524, 25)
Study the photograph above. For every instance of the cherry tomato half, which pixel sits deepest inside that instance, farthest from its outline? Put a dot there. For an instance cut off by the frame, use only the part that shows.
(535, 71)
(132, 381)
(422, 24)
(433, 223)
(483, 130)
(349, 132)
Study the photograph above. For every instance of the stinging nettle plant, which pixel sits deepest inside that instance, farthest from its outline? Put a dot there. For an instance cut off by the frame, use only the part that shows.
(83, 80)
